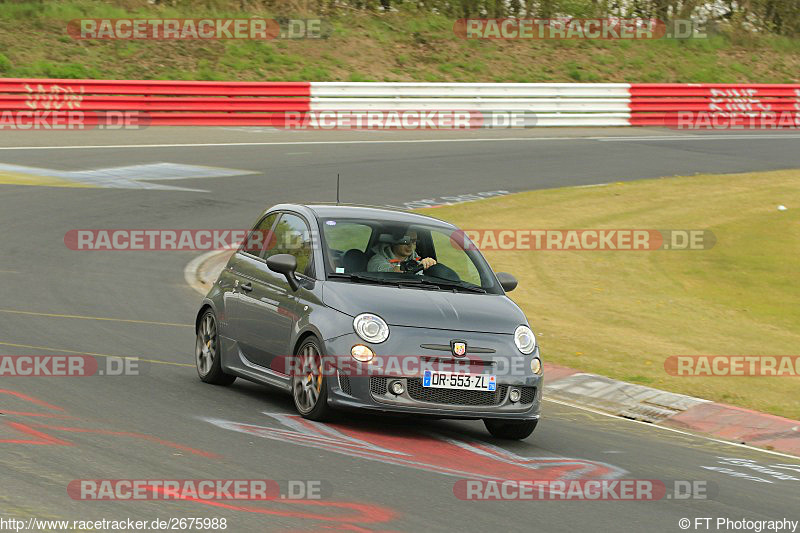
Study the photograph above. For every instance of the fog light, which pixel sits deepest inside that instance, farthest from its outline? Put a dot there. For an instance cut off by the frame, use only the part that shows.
(397, 388)
(536, 365)
(362, 353)
(514, 395)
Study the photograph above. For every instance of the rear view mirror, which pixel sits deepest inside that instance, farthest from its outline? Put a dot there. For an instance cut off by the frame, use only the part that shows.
(507, 281)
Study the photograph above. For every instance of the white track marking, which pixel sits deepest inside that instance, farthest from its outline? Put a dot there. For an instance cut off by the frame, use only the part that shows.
(404, 141)
(697, 137)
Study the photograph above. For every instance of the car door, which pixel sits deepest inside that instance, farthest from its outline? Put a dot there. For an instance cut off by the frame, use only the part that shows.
(243, 271)
(267, 305)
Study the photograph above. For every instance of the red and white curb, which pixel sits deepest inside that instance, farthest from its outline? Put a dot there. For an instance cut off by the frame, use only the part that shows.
(671, 410)
(203, 270)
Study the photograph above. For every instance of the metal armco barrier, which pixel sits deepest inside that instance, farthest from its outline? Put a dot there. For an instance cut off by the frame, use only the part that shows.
(165, 103)
(677, 105)
(200, 103)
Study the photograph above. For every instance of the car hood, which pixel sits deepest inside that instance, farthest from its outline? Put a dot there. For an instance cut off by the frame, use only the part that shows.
(485, 313)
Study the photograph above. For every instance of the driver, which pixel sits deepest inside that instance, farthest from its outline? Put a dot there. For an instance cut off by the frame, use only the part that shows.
(388, 257)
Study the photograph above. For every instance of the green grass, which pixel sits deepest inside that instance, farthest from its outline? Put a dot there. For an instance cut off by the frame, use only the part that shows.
(621, 314)
(369, 47)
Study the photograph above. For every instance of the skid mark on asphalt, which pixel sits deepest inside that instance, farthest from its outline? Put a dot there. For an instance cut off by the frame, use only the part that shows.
(43, 435)
(447, 455)
(41, 438)
(342, 514)
(61, 350)
(129, 434)
(82, 317)
(5, 412)
(30, 399)
(354, 512)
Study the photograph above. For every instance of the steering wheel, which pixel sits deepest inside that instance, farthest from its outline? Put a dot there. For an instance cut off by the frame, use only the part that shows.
(411, 266)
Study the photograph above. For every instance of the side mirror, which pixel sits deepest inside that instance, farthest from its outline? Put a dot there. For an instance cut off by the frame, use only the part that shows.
(285, 264)
(507, 281)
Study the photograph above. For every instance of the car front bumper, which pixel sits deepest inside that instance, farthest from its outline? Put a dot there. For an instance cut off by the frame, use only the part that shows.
(372, 392)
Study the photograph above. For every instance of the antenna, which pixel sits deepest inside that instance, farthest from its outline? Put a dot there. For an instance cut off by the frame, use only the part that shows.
(337, 188)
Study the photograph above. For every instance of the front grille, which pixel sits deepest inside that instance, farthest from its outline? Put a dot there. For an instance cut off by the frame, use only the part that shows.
(453, 396)
(344, 384)
(528, 394)
(377, 385)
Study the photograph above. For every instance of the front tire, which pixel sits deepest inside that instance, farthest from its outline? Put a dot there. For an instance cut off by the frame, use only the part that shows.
(510, 429)
(207, 355)
(309, 385)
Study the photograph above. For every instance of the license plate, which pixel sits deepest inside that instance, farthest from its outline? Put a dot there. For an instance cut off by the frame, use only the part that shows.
(454, 380)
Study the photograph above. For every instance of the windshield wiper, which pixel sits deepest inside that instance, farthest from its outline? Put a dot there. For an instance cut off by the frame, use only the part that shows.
(400, 282)
(457, 285)
(417, 284)
(360, 277)
(375, 279)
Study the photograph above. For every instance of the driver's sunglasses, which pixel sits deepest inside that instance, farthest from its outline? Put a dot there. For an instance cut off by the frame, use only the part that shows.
(407, 240)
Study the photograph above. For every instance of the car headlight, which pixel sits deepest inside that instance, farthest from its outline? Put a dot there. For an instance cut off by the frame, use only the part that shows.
(524, 339)
(371, 328)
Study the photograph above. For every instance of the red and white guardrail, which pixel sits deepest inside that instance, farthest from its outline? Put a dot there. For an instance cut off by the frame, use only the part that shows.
(200, 103)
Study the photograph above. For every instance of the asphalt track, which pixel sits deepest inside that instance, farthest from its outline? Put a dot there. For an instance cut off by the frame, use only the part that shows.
(166, 424)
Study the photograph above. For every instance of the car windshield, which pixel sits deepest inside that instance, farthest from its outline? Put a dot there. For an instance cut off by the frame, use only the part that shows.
(407, 255)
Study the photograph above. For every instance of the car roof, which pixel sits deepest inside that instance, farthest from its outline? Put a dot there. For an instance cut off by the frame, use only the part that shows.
(365, 212)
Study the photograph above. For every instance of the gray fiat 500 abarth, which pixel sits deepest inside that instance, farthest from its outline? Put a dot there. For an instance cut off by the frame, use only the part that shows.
(350, 307)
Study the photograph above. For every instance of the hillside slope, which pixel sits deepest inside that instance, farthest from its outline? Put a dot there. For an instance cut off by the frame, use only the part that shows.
(370, 47)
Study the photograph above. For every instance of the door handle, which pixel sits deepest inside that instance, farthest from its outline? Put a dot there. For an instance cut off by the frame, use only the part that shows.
(247, 287)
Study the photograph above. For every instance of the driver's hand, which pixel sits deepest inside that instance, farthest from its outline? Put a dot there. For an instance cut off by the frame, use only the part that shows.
(427, 262)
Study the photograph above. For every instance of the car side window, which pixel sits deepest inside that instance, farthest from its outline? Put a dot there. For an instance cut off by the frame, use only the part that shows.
(293, 236)
(344, 235)
(259, 237)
